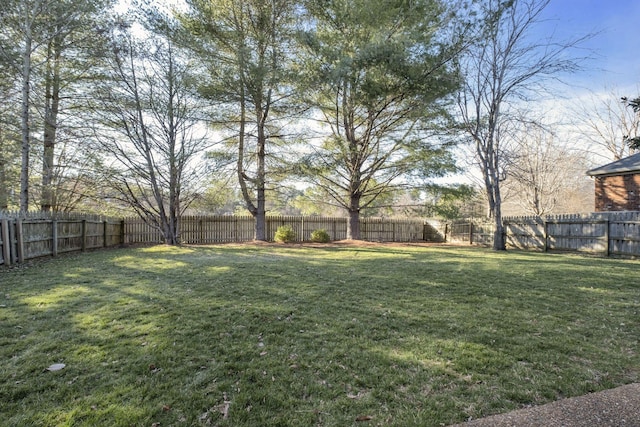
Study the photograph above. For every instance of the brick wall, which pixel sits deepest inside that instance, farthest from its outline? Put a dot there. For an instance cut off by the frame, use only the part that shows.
(617, 193)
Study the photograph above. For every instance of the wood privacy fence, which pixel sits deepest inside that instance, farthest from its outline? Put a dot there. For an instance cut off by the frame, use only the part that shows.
(24, 237)
(33, 235)
(230, 229)
(604, 233)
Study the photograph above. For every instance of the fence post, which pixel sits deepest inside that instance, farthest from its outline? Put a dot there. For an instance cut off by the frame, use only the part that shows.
(12, 242)
(122, 234)
(105, 233)
(607, 234)
(546, 235)
(84, 235)
(471, 233)
(6, 242)
(19, 241)
(54, 238)
(446, 230)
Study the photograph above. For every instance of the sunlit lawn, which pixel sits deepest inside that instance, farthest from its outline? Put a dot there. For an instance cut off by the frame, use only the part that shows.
(298, 336)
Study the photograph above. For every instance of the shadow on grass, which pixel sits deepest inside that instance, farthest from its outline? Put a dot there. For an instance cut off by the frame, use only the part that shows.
(237, 336)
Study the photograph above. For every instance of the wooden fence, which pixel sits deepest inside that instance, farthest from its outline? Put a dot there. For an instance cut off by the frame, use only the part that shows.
(603, 233)
(24, 237)
(33, 235)
(229, 229)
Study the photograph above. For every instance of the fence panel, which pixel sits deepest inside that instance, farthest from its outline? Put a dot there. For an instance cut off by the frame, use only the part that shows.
(69, 236)
(336, 227)
(37, 238)
(577, 235)
(136, 230)
(434, 230)
(605, 233)
(624, 237)
(32, 235)
(526, 233)
(460, 232)
(227, 229)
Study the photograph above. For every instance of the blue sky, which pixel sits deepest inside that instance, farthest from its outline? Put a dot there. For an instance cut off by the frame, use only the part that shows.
(616, 46)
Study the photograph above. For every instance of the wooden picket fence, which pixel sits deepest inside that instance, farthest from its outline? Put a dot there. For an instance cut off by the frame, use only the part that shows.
(33, 235)
(229, 229)
(602, 233)
(25, 236)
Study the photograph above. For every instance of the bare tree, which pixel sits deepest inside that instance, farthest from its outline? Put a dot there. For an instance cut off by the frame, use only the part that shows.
(505, 67)
(608, 123)
(151, 130)
(542, 171)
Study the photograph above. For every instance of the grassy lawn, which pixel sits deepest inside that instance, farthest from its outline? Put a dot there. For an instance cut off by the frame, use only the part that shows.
(265, 335)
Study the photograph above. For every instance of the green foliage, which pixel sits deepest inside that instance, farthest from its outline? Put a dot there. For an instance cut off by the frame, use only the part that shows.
(379, 73)
(453, 202)
(314, 201)
(219, 197)
(285, 234)
(633, 141)
(320, 236)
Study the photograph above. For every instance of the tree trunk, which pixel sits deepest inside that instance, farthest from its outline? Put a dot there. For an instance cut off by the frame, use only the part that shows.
(52, 106)
(26, 132)
(261, 223)
(353, 224)
(499, 243)
(260, 216)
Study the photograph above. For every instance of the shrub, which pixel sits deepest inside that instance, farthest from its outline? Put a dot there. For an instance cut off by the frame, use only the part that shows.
(285, 234)
(320, 236)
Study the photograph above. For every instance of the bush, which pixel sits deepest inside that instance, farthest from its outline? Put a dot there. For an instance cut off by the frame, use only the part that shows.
(320, 236)
(285, 234)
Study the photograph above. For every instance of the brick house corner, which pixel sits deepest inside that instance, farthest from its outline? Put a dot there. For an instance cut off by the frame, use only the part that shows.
(617, 185)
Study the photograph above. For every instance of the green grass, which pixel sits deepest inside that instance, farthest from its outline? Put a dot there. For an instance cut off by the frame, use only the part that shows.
(295, 336)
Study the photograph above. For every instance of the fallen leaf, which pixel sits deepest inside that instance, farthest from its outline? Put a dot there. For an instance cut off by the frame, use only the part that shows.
(225, 410)
(166, 408)
(56, 367)
(364, 418)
